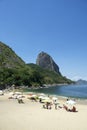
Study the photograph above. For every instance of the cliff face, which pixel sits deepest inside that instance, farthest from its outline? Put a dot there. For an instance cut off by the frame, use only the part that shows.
(46, 62)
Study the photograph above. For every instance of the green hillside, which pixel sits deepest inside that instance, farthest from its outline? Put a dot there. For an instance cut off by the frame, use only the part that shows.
(13, 70)
(49, 77)
(8, 57)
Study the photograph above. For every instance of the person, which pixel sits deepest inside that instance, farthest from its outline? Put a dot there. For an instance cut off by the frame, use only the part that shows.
(65, 107)
(20, 100)
(56, 104)
(70, 110)
(73, 109)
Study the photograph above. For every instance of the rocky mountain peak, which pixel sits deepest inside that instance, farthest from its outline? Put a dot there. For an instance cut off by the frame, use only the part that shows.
(45, 61)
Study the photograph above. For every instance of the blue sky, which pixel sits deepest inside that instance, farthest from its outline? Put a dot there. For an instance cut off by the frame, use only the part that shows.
(57, 27)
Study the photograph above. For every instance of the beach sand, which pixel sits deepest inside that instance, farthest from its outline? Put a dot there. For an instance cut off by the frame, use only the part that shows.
(32, 116)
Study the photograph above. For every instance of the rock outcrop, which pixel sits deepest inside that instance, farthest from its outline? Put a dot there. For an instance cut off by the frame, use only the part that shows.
(46, 62)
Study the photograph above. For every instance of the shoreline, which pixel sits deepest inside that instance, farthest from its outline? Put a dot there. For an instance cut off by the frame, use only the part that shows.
(82, 101)
(49, 92)
(61, 97)
(51, 88)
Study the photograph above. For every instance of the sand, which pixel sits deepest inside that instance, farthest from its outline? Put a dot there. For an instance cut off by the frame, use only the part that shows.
(32, 116)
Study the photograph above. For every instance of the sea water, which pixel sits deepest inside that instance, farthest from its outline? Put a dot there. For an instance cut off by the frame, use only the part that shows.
(75, 91)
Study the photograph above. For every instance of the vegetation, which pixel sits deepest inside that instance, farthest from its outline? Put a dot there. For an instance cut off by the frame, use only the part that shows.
(13, 70)
(8, 57)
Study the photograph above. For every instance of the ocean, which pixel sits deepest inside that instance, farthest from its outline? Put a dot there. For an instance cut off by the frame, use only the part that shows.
(74, 91)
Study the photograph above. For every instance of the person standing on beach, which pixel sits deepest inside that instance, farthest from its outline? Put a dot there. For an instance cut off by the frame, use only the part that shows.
(56, 104)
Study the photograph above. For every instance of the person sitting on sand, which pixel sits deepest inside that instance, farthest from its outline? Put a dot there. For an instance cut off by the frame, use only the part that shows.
(20, 100)
(65, 107)
(73, 109)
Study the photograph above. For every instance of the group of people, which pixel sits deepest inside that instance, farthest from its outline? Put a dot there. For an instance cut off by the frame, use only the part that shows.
(48, 105)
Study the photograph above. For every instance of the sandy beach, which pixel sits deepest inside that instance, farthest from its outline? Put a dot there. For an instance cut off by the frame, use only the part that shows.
(32, 116)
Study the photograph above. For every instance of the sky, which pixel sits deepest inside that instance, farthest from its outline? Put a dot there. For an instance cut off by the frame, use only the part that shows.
(57, 27)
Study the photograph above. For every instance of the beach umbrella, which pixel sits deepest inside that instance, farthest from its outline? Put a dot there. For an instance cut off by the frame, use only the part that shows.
(1, 92)
(33, 95)
(54, 98)
(19, 96)
(41, 97)
(18, 93)
(47, 100)
(42, 94)
(71, 102)
(11, 93)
